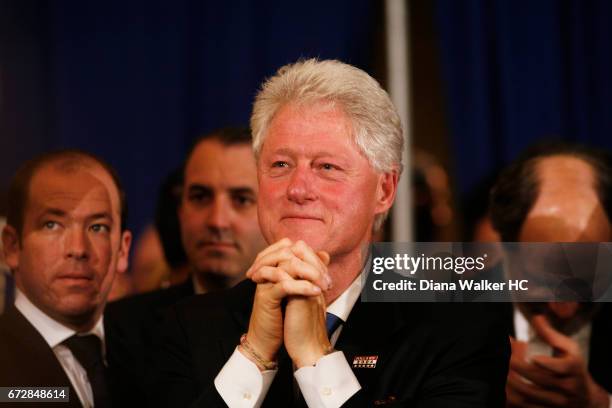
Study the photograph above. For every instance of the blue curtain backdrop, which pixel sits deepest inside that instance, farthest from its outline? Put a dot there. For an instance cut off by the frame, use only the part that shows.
(136, 81)
(519, 71)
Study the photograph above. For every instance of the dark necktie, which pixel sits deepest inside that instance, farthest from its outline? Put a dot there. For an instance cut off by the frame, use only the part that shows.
(88, 351)
(332, 322)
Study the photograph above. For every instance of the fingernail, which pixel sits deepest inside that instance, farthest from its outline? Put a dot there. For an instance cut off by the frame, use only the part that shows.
(316, 289)
(328, 281)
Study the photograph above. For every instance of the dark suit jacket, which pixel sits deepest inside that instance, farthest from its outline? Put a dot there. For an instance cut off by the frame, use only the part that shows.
(131, 325)
(27, 361)
(600, 354)
(8, 296)
(429, 355)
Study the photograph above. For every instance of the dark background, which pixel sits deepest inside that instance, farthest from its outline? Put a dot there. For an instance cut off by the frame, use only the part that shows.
(136, 81)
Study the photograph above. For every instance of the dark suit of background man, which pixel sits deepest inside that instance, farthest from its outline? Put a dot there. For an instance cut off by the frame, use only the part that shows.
(328, 143)
(558, 193)
(7, 287)
(220, 235)
(64, 243)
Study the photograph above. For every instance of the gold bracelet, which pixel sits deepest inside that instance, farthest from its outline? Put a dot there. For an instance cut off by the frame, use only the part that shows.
(267, 365)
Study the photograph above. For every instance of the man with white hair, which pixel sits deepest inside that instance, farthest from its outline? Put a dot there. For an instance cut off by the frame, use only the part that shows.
(328, 143)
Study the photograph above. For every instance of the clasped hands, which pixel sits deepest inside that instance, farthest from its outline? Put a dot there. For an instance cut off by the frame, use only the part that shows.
(295, 272)
(561, 380)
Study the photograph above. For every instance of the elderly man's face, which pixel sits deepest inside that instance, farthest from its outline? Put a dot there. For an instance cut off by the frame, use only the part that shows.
(315, 184)
(71, 244)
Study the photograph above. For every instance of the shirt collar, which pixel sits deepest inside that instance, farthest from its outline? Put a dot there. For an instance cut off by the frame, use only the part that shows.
(197, 287)
(343, 305)
(51, 330)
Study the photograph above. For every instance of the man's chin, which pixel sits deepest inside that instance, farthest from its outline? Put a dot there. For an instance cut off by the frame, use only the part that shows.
(217, 251)
(76, 311)
(219, 269)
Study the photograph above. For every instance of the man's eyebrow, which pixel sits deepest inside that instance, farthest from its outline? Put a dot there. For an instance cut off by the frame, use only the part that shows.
(99, 215)
(198, 187)
(53, 211)
(283, 150)
(61, 213)
(319, 153)
(233, 190)
(241, 190)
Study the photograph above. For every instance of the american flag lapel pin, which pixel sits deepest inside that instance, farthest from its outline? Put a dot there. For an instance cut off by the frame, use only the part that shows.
(365, 361)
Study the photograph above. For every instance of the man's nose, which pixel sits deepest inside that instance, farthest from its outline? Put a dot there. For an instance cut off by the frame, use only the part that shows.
(300, 188)
(219, 213)
(76, 243)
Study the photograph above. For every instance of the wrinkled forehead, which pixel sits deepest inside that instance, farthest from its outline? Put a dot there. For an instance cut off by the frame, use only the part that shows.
(70, 185)
(311, 128)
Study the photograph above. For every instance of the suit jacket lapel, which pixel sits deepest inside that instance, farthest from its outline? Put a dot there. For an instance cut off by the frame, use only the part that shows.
(364, 336)
(40, 366)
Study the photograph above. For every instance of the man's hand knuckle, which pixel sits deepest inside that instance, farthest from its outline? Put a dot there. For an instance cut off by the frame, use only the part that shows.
(285, 285)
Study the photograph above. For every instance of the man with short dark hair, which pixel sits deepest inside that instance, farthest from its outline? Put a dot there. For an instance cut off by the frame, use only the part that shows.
(220, 235)
(65, 240)
(557, 193)
(218, 210)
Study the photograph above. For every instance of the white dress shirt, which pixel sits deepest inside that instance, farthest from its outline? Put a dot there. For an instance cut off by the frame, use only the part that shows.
(329, 383)
(197, 288)
(54, 334)
(536, 346)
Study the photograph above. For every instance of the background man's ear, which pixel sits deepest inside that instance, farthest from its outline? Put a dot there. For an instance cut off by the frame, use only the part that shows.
(11, 246)
(124, 251)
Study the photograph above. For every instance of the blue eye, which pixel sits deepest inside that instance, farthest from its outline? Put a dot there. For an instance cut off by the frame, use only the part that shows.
(50, 225)
(328, 166)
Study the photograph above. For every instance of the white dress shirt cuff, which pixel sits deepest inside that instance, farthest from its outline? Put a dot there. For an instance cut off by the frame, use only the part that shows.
(330, 383)
(241, 384)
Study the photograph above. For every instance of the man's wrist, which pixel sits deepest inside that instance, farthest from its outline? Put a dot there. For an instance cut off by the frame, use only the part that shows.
(252, 354)
(311, 359)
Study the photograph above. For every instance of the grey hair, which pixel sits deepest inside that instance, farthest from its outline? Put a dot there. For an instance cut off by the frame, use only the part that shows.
(376, 126)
